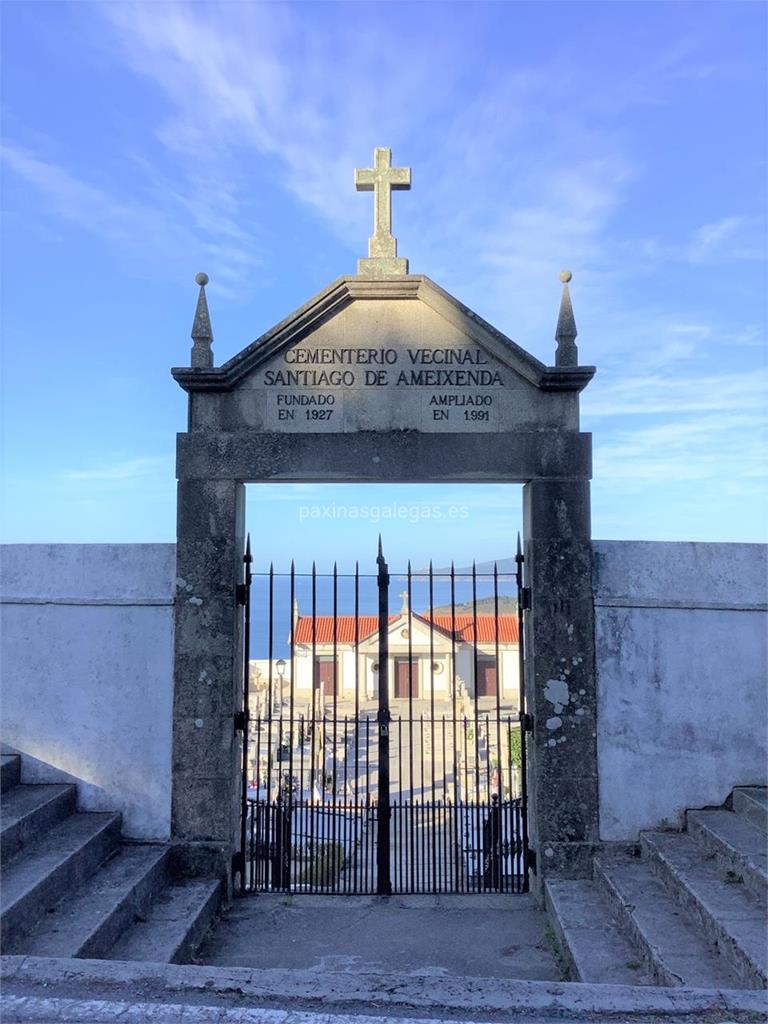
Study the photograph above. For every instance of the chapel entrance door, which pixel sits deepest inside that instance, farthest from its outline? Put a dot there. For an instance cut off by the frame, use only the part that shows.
(406, 678)
(486, 677)
(326, 676)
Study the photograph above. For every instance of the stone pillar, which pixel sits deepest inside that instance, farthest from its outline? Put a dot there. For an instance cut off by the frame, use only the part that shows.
(207, 673)
(560, 683)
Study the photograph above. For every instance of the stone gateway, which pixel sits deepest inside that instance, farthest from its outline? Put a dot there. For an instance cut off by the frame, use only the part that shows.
(367, 382)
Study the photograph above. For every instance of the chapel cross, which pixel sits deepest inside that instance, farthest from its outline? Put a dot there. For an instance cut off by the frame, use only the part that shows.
(381, 179)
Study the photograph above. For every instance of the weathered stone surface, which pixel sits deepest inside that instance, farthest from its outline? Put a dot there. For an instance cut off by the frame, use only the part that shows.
(389, 354)
(206, 752)
(561, 670)
(405, 456)
(342, 991)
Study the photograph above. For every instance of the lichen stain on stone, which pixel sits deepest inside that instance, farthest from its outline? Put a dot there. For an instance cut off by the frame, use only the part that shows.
(554, 723)
(557, 693)
(196, 601)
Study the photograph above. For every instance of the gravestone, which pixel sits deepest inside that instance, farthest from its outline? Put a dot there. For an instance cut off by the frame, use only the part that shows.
(385, 377)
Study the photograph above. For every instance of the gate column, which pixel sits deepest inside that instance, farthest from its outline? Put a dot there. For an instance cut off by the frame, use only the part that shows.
(560, 675)
(208, 645)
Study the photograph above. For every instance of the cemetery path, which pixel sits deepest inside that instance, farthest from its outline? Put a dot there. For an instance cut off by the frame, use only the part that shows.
(483, 936)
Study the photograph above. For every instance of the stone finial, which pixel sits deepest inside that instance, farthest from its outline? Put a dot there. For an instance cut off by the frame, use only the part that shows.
(567, 353)
(382, 179)
(202, 335)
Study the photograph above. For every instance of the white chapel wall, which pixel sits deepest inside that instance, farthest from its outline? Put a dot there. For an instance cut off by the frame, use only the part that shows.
(87, 673)
(681, 678)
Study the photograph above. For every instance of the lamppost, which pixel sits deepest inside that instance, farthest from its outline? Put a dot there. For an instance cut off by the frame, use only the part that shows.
(281, 675)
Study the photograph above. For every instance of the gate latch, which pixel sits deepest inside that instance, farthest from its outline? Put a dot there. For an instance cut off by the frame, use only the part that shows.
(526, 721)
(383, 729)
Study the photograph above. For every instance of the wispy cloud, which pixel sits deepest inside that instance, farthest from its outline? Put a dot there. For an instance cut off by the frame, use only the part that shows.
(129, 469)
(151, 227)
(655, 394)
(689, 451)
(730, 239)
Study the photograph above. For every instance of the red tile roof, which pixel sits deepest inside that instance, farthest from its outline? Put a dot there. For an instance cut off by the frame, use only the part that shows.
(368, 624)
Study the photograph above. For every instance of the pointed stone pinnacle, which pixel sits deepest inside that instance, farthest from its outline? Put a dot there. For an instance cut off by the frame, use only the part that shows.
(565, 335)
(202, 335)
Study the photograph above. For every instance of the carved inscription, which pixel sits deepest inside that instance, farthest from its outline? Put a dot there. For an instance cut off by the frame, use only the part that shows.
(365, 387)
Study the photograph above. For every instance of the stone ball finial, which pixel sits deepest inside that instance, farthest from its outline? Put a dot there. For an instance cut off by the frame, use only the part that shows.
(201, 279)
(565, 276)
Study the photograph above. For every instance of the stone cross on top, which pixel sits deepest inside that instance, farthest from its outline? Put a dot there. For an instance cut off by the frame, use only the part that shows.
(381, 179)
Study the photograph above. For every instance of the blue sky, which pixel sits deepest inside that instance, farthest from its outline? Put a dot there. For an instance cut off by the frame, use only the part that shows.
(145, 142)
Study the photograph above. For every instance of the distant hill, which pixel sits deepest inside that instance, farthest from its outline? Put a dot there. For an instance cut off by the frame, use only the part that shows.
(485, 606)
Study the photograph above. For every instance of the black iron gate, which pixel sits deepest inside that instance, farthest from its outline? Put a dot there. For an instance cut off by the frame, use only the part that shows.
(384, 749)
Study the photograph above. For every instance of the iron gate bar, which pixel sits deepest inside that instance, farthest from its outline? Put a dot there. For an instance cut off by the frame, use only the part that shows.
(245, 595)
(383, 880)
(519, 561)
(356, 677)
(456, 837)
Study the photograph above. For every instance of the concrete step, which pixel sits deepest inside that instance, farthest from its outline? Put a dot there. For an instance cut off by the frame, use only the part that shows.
(10, 771)
(89, 921)
(595, 948)
(729, 915)
(174, 926)
(671, 942)
(751, 802)
(739, 846)
(35, 881)
(27, 811)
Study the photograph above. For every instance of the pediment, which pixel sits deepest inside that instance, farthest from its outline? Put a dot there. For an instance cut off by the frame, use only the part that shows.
(399, 629)
(392, 354)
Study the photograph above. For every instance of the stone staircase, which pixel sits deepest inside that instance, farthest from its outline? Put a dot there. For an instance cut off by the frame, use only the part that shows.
(71, 887)
(689, 909)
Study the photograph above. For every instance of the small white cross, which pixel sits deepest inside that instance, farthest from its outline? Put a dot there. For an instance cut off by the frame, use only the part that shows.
(381, 179)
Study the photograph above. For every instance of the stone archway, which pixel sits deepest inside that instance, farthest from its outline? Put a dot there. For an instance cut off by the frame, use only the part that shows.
(393, 361)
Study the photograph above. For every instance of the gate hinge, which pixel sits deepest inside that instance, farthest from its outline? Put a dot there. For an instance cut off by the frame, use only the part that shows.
(526, 721)
(240, 721)
(238, 863)
(525, 598)
(531, 859)
(241, 593)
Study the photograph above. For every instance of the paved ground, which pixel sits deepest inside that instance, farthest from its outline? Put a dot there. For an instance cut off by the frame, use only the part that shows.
(42, 1010)
(37, 990)
(486, 936)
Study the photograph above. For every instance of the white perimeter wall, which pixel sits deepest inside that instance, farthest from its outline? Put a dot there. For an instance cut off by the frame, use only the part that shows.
(681, 678)
(87, 658)
(87, 681)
